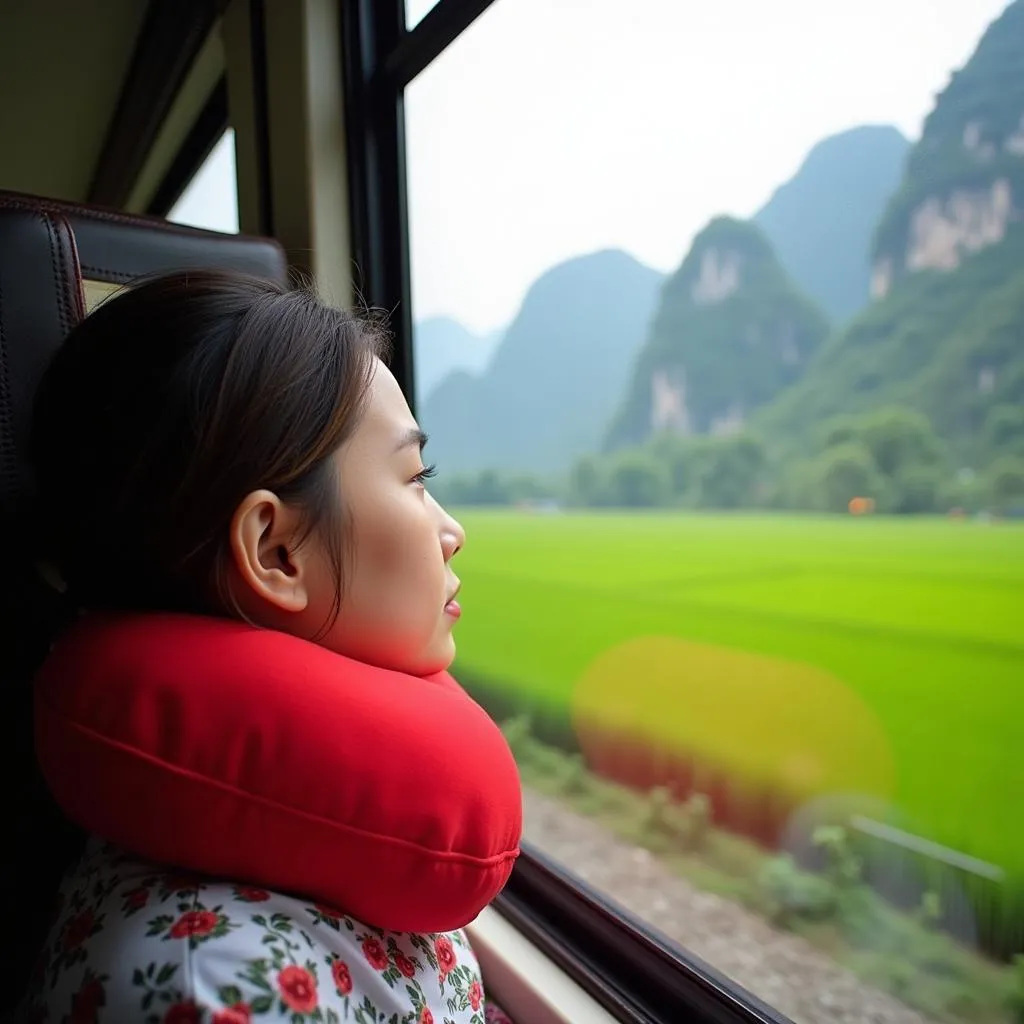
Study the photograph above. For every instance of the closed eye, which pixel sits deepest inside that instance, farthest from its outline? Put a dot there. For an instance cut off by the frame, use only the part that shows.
(425, 474)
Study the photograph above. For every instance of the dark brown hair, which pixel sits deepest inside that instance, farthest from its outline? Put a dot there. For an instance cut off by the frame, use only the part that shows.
(170, 403)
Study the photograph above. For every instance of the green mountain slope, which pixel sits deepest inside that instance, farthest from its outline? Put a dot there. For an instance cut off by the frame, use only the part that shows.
(965, 177)
(730, 333)
(821, 221)
(544, 397)
(946, 334)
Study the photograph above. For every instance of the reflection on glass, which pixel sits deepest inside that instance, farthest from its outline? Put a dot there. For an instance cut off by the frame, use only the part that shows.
(718, 338)
(211, 199)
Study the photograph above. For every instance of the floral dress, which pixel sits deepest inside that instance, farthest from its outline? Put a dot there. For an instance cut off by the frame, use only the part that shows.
(133, 943)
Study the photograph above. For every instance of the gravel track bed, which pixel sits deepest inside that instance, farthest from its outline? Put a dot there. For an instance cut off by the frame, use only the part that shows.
(781, 969)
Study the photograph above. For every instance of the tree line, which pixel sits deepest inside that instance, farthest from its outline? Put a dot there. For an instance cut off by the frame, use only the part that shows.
(892, 459)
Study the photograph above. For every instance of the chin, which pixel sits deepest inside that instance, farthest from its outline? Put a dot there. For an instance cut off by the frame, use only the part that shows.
(414, 657)
(439, 658)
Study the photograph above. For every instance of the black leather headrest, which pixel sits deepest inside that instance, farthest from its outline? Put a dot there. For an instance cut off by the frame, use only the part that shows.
(116, 247)
(41, 298)
(40, 301)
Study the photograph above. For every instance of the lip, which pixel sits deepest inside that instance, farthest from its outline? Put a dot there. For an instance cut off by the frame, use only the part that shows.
(452, 606)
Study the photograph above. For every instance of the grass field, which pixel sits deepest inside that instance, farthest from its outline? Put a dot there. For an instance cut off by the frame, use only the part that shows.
(821, 655)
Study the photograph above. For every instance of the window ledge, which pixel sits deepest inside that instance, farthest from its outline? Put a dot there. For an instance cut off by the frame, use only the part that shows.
(524, 982)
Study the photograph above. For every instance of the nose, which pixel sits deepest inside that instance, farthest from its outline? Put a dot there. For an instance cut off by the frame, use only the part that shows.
(453, 536)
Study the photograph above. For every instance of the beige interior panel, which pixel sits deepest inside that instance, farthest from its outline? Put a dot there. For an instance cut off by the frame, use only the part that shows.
(96, 292)
(53, 124)
(308, 183)
(202, 77)
(529, 987)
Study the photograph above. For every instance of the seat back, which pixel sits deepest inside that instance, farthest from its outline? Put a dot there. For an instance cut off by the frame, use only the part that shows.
(52, 256)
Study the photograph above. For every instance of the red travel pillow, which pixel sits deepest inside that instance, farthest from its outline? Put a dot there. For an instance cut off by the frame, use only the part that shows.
(253, 756)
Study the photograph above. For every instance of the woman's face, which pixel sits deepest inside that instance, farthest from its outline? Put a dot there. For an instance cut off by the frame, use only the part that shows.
(398, 605)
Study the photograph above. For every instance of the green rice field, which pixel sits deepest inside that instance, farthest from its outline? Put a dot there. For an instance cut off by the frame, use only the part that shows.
(878, 657)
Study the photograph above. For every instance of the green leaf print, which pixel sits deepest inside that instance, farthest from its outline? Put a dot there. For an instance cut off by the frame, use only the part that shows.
(159, 925)
(166, 973)
(256, 974)
(229, 995)
(262, 1004)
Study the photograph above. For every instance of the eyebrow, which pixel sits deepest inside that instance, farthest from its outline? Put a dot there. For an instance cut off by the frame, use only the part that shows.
(413, 436)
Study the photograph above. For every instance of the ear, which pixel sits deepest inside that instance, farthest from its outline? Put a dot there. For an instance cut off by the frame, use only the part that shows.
(264, 539)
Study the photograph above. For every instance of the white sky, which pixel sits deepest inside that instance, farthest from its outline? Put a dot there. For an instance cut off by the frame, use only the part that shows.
(211, 199)
(553, 128)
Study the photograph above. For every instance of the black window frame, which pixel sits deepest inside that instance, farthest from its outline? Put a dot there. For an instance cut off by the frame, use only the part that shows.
(635, 973)
(172, 34)
(206, 131)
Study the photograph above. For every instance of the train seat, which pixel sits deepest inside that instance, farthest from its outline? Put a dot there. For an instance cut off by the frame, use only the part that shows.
(56, 259)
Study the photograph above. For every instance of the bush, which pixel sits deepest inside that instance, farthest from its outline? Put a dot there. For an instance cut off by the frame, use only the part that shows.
(843, 866)
(1016, 997)
(655, 821)
(916, 490)
(845, 472)
(637, 481)
(687, 825)
(929, 913)
(698, 810)
(574, 775)
(790, 893)
(1006, 483)
(519, 736)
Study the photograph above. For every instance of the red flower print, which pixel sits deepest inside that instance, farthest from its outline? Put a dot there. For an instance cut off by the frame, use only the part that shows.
(85, 1003)
(182, 1013)
(240, 1013)
(250, 894)
(326, 911)
(298, 989)
(445, 955)
(137, 898)
(405, 966)
(78, 929)
(426, 1017)
(342, 977)
(195, 923)
(375, 955)
(476, 995)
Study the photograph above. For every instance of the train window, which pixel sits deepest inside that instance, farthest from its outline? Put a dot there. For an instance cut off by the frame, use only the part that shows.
(210, 200)
(717, 311)
(417, 10)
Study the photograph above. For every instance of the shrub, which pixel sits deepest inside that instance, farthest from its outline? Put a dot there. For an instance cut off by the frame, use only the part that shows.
(790, 893)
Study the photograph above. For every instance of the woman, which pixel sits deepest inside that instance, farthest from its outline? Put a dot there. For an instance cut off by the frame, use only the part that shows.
(211, 445)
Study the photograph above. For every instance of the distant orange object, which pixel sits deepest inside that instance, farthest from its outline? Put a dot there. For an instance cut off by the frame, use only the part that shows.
(861, 506)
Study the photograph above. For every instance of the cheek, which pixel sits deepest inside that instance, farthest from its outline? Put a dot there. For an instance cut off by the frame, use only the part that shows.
(398, 572)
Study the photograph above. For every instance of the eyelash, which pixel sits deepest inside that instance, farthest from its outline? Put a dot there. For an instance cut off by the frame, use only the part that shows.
(425, 474)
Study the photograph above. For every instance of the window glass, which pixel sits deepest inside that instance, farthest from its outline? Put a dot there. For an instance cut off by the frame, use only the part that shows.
(719, 310)
(211, 198)
(417, 10)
